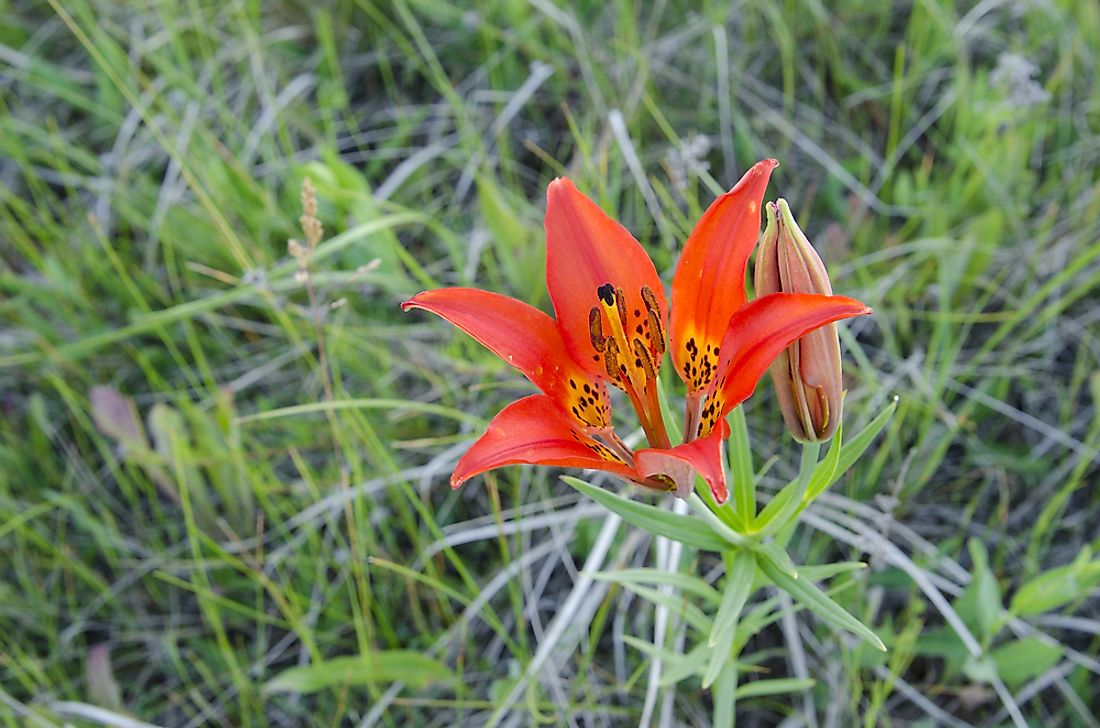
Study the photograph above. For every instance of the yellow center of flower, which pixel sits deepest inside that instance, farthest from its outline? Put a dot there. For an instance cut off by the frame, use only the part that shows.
(589, 403)
(635, 343)
(700, 365)
(631, 350)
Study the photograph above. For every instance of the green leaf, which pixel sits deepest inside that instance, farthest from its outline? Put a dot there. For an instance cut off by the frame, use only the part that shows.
(737, 588)
(684, 667)
(779, 557)
(677, 667)
(979, 606)
(1058, 586)
(854, 449)
(821, 572)
(757, 688)
(770, 523)
(776, 505)
(980, 669)
(1019, 661)
(684, 582)
(816, 600)
(740, 455)
(689, 531)
(404, 666)
(826, 469)
(675, 604)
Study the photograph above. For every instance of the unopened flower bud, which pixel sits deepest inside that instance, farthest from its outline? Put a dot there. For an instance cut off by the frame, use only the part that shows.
(807, 375)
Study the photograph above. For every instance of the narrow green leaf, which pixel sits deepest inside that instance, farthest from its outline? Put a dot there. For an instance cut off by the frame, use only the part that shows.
(826, 469)
(383, 666)
(779, 557)
(816, 600)
(688, 531)
(675, 604)
(677, 666)
(776, 505)
(853, 449)
(808, 465)
(822, 572)
(740, 456)
(685, 667)
(684, 582)
(758, 688)
(736, 591)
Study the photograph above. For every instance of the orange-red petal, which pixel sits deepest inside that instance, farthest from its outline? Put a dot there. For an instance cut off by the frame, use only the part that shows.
(709, 284)
(586, 249)
(534, 430)
(526, 338)
(681, 463)
(759, 331)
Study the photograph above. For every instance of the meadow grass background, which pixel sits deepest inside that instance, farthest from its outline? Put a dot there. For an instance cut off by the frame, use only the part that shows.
(214, 469)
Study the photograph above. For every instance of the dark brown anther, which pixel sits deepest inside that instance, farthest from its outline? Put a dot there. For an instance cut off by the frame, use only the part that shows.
(653, 314)
(595, 329)
(611, 359)
(641, 351)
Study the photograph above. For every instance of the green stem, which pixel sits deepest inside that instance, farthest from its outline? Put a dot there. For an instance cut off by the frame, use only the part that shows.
(724, 696)
(715, 522)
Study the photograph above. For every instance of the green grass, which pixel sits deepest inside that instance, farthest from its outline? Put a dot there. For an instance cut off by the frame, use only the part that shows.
(263, 484)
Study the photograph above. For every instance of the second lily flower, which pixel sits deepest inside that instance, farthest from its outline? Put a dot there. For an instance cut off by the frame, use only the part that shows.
(611, 326)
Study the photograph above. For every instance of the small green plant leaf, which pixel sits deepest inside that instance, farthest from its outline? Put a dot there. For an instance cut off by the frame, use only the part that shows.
(980, 669)
(689, 531)
(1019, 661)
(816, 600)
(383, 666)
(979, 606)
(778, 686)
(1058, 586)
(736, 591)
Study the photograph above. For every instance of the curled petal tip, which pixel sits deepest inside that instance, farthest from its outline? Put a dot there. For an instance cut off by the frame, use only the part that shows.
(411, 303)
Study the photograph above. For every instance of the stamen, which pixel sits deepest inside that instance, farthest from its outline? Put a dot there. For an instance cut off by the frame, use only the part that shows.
(611, 359)
(654, 317)
(616, 446)
(595, 329)
(642, 354)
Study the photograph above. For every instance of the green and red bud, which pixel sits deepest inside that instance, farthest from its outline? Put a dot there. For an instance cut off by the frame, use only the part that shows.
(807, 374)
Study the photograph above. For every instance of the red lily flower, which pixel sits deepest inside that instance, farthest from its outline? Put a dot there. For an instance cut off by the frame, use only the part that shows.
(611, 319)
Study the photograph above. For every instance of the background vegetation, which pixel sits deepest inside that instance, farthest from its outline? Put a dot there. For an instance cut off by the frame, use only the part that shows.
(216, 467)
